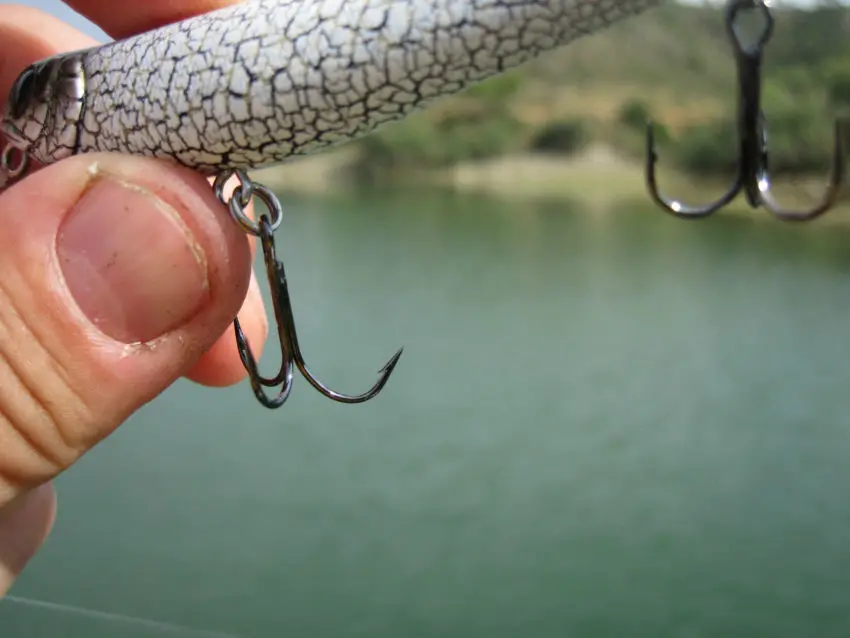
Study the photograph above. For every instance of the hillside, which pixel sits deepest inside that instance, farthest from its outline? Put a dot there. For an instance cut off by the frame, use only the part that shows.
(673, 64)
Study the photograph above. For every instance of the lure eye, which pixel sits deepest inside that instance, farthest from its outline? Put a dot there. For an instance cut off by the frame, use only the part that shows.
(21, 92)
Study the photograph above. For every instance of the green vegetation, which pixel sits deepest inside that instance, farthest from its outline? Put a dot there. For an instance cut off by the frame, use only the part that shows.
(427, 142)
(561, 137)
(673, 65)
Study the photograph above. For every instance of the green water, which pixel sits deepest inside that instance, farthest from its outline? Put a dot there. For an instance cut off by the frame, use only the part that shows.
(602, 426)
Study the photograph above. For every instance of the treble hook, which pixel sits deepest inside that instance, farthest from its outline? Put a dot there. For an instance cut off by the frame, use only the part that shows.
(287, 335)
(752, 175)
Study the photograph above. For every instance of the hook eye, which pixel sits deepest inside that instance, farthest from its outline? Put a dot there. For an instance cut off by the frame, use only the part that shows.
(751, 36)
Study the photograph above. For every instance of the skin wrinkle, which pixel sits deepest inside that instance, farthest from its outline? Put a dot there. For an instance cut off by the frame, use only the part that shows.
(41, 347)
(33, 415)
(32, 451)
(45, 398)
(34, 462)
(39, 412)
(260, 82)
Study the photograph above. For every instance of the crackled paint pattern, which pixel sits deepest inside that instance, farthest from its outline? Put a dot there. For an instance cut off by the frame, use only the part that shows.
(265, 80)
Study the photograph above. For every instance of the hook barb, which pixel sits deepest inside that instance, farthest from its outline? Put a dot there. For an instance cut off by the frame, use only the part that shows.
(384, 376)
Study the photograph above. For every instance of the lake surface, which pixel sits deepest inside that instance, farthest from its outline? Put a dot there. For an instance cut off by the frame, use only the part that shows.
(603, 425)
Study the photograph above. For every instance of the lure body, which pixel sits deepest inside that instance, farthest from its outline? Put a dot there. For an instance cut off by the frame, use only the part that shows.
(262, 81)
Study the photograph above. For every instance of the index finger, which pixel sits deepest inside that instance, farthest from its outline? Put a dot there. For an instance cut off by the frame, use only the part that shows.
(135, 17)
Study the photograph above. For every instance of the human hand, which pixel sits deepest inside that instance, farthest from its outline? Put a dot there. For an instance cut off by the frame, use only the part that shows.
(118, 275)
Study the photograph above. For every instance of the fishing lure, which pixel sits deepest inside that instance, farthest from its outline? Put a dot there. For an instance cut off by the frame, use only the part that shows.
(264, 81)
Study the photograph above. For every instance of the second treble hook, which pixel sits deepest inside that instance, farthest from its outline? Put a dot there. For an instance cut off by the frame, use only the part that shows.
(752, 176)
(291, 355)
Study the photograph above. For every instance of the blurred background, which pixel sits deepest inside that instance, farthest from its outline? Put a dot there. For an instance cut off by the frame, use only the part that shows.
(607, 422)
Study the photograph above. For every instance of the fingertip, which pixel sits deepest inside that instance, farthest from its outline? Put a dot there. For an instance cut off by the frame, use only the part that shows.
(142, 16)
(25, 524)
(221, 366)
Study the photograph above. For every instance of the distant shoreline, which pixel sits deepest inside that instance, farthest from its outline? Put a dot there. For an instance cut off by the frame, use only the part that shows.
(598, 175)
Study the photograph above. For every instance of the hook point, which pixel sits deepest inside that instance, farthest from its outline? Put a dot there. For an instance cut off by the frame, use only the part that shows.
(392, 363)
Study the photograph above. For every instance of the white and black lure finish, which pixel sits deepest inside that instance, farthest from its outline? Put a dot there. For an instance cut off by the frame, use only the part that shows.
(263, 81)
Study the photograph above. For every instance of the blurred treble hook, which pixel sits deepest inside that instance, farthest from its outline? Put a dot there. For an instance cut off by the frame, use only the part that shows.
(290, 349)
(752, 176)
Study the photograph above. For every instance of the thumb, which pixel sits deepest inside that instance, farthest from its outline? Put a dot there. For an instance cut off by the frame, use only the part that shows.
(116, 275)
